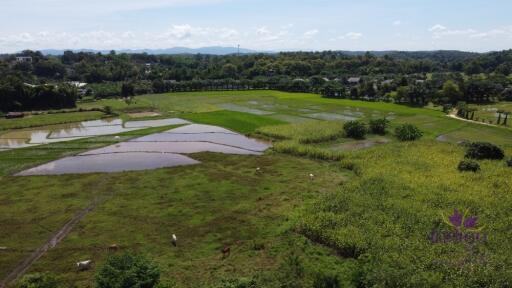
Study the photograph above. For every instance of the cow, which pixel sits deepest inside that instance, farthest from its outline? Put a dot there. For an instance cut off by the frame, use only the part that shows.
(113, 248)
(174, 240)
(84, 265)
(226, 251)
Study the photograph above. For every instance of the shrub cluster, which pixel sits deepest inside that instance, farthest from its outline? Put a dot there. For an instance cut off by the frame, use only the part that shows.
(484, 150)
(468, 165)
(355, 129)
(408, 132)
(509, 162)
(128, 270)
(378, 126)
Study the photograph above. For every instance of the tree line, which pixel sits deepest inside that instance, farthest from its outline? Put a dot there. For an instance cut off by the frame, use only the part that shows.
(413, 78)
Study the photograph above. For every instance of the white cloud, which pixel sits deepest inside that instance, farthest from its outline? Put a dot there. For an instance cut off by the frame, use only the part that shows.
(266, 35)
(437, 28)
(353, 35)
(310, 34)
(494, 33)
(397, 23)
(179, 32)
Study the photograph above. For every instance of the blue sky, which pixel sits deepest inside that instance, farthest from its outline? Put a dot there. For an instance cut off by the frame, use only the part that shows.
(470, 25)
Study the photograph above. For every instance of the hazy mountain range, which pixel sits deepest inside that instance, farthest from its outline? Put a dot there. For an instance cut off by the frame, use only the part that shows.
(439, 55)
(213, 50)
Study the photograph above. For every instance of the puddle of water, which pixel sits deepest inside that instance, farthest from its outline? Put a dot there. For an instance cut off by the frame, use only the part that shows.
(238, 108)
(155, 123)
(331, 116)
(109, 163)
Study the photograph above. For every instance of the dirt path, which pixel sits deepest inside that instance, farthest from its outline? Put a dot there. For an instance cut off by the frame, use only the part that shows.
(25, 264)
(453, 115)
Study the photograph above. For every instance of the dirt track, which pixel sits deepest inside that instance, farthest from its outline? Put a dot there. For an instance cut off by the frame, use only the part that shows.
(25, 264)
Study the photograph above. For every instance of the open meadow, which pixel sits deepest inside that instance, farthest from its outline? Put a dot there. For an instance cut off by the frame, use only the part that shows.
(318, 207)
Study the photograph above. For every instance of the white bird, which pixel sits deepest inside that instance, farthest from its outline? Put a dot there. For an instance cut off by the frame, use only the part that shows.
(174, 240)
(258, 170)
(117, 137)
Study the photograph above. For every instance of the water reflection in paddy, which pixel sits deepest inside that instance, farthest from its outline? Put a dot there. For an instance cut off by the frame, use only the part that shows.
(109, 163)
(189, 139)
(154, 151)
(65, 132)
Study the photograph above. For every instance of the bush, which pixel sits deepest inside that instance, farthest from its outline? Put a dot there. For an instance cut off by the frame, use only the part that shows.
(107, 110)
(378, 126)
(471, 166)
(355, 129)
(238, 283)
(484, 150)
(326, 280)
(38, 280)
(509, 162)
(408, 132)
(128, 270)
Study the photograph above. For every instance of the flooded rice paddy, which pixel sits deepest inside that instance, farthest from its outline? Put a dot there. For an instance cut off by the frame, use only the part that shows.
(58, 133)
(131, 161)
(154, 151)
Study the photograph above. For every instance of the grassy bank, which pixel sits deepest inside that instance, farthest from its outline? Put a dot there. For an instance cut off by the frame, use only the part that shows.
(49, 119)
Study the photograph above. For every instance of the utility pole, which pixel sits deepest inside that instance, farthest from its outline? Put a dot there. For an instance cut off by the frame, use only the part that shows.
(238, 50)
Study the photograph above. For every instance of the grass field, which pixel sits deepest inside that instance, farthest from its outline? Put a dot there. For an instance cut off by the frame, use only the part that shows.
(49, 119)
(363, 220)
(488, 113)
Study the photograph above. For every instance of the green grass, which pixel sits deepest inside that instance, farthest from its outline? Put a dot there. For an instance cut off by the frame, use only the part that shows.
(15, 160)
(49, 119)
(378, 203)
(306, 132)
(383, 217)
(237, 121)
(487, 113)
(241, 209)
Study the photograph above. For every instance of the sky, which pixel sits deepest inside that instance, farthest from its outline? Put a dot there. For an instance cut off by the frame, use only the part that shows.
(264, 25)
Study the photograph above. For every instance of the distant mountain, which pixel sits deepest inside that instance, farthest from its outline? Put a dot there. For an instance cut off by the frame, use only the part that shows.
(213, 50)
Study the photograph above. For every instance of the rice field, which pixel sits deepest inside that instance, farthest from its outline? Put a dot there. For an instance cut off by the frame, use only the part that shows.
(305, 132)
(365, 218)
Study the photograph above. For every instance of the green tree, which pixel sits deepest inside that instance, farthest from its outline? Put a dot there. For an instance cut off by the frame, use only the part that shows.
(127, 271)
(450, 92)
(127, 89)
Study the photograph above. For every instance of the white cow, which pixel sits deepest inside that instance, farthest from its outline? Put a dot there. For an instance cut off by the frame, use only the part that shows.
(174, 240)
(84, 265)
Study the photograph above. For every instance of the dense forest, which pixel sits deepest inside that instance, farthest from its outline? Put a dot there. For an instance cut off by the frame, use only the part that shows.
(38, 81)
